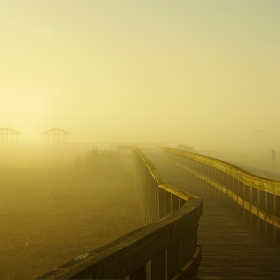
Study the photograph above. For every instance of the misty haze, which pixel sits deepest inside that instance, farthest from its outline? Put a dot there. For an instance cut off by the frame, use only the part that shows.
(98, 98)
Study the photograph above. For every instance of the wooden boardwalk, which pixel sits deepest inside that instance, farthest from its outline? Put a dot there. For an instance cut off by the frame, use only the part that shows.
(231, 249)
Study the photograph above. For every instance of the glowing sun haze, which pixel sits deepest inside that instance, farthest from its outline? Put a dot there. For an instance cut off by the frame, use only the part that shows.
(204, 73)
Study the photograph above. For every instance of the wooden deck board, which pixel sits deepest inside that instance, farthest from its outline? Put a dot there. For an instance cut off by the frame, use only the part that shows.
(231, 249)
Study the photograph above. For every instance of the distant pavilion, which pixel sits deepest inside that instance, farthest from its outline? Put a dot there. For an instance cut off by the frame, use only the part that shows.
(55, 133)
(6, 132)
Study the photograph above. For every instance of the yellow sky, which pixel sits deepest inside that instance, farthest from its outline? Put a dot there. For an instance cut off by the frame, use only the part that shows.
(204, 73)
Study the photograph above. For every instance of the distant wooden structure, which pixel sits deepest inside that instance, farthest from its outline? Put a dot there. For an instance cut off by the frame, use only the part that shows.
(273, 154)
(55, 133)
(6, 132)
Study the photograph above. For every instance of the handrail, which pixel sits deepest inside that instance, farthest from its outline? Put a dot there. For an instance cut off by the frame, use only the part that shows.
(164, 249)
(125, 255)
(161, 181)
(261, 201)
(247, 178)
(269, 218)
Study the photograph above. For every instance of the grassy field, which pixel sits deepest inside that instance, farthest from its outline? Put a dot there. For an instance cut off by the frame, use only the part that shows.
(51, 215)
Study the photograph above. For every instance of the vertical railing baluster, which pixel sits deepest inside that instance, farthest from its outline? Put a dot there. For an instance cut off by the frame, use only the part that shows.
(277, 213)
(173, 259)
(255, 198)
(158, 267)
(162, 203)
(175, 202)
(139, 274)
(167, 203)
(270, 209)
(262, 199)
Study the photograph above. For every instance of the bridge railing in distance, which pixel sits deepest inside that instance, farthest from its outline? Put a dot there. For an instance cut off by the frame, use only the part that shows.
(158, 200)
(257, 199)
(165, 248)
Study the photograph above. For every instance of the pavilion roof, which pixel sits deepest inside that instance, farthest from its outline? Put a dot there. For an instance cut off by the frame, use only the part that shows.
(9, 130)
(56, 129)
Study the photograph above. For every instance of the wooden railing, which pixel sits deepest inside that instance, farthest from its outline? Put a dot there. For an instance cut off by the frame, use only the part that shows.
(165, 248)
(257, 199)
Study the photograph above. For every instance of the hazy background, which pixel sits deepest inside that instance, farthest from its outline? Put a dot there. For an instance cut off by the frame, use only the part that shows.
(205, 73)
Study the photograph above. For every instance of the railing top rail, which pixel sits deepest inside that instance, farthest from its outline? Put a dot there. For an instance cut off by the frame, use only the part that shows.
(238, 173)
(161, 181)
(178, 192)
(126, 254)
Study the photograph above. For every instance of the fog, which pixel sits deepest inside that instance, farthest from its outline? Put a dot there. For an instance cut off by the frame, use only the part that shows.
(60, 201)
(203, 73)
(200, 73)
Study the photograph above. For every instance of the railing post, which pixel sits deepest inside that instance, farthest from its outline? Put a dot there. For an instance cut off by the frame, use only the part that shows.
(247, 194)
(270, 209)
(255, 200)
(158, 266)
(161, 199)
(139, 274)
(156, 201)
(277, 213)
(181, 202)
(191, 246)
(241, 193)
(219, 180)
(173, 259)
(262, 205)
(175, 202)
(233, 191)
(167, 203)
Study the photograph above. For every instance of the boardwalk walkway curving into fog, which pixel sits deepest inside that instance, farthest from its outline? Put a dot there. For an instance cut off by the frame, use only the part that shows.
(231, 249)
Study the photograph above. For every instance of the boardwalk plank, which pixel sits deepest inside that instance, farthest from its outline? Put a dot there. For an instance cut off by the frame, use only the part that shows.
(231, 249)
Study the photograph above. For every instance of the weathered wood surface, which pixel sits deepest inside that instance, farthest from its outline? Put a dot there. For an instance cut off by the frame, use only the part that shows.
(231, 249)
(169, 244)
(263, 211)
(247, 178)
(118, 258)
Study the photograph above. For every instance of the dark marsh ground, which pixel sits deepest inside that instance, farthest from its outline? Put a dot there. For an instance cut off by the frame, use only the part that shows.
(53, 214)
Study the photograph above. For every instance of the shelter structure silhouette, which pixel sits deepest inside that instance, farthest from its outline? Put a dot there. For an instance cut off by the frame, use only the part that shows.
(55, 133)
(6, 132)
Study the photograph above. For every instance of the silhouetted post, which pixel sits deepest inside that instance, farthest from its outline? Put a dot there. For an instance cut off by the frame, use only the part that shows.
(273, 154)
